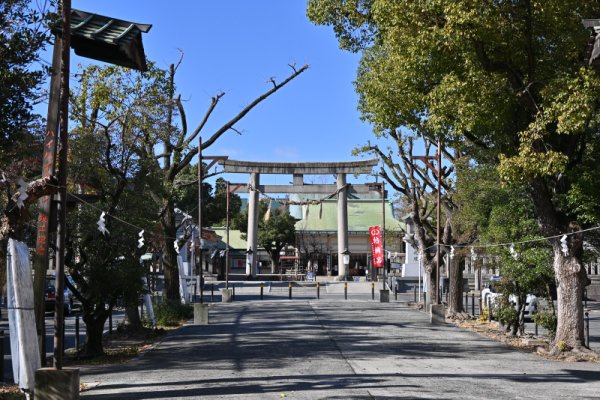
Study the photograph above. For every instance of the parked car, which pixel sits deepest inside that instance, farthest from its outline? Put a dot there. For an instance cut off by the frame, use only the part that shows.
(491, 294)
(50, 295)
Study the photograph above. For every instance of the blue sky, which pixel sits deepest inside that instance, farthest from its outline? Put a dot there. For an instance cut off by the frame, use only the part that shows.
(236, 46)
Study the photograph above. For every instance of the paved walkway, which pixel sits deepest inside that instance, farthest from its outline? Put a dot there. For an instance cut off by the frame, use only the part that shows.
(318, 349)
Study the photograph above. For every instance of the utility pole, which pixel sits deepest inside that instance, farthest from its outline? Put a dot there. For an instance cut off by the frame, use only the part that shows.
(200, 216)
(439, 191)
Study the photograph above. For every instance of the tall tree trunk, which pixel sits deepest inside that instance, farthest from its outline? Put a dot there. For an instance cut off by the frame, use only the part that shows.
(93, 344)
(455, 295)
(274, 262)
(570, 275)
(170, 256)
(94, 330)
(433, 286)
(571, 278)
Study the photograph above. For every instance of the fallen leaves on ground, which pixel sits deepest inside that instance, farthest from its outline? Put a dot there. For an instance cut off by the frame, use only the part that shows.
(529, 343)
(11, 392)
(119, 347)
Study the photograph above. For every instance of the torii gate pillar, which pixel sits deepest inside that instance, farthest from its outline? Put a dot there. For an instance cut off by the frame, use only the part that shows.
(342, 219)
(252, 242)
(298, 169)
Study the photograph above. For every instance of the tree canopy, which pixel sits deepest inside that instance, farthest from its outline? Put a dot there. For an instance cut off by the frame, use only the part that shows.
(503, 82)
(276, 229)
(23, 35)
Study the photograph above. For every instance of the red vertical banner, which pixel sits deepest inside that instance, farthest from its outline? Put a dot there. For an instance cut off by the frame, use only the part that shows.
(48, 169)
(376, 246)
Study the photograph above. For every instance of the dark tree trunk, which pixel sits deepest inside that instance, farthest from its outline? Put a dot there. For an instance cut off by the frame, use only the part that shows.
(274, 261)
(133, 321)
(94, 327)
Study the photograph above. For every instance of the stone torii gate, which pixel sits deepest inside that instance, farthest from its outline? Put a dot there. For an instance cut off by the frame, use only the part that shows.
(298, 170)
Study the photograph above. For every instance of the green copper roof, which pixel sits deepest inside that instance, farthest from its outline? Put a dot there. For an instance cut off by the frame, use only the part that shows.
(108, 39)
(235, 238)
(361, 215)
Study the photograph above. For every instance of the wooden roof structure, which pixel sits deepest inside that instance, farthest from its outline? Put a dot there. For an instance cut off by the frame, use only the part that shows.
(107, 39)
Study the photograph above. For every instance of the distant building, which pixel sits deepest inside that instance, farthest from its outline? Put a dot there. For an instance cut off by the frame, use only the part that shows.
(316, 235)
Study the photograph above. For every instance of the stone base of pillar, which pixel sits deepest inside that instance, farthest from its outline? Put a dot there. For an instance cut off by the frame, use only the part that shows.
(226, 295)
(200, 314)
(437, 313)
(56, 384)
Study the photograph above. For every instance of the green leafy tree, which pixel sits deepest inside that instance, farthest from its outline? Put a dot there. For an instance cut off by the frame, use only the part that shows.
(186, 193)
(496, 213)
(216, 209)
(275, 233)
(162, 149)
(528, 271)
(214, 201)
(114, 111)
(503, 82)
(105, 268)
(276, 230)
(23, 34)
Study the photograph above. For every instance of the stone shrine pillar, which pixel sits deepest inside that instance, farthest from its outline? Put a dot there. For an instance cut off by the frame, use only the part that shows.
(252, 242)
(342, 220)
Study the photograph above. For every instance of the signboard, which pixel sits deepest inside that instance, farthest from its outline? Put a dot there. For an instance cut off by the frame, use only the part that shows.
(376, 246)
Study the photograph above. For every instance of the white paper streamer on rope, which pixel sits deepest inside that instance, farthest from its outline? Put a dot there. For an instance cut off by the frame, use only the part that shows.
(176, 246)
(23, 186)
(102, 224)
(451, 251)
(513, 253)
(564, 247)
(141, 239)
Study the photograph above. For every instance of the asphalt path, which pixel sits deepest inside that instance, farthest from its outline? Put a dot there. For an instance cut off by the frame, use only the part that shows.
(333, 349)
(364, 291)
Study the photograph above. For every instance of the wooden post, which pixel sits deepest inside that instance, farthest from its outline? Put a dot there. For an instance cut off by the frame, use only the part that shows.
(46, 214)
(62, 182)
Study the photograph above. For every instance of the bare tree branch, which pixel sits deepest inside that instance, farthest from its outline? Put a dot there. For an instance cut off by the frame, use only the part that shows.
(253, 104)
